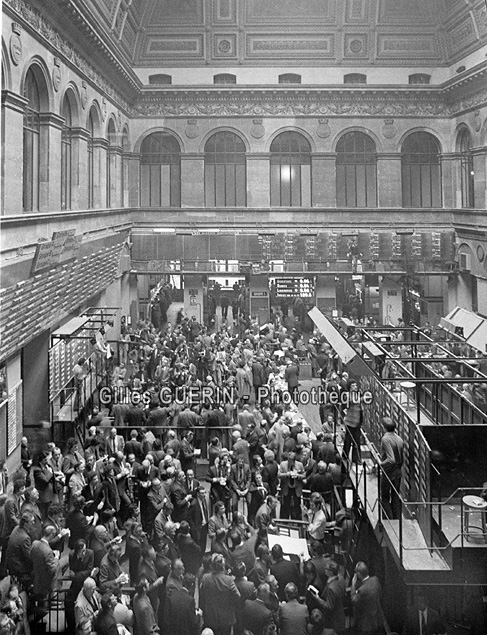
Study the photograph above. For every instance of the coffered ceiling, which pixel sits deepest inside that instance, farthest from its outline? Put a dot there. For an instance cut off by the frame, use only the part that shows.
(178, 33)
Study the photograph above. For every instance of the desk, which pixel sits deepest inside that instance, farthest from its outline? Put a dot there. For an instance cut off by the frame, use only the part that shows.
(295, 546)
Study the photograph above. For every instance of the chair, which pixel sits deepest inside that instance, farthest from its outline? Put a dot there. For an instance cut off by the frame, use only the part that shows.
(474, 505)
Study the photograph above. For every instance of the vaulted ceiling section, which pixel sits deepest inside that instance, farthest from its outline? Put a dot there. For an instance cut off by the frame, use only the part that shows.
(178, 33)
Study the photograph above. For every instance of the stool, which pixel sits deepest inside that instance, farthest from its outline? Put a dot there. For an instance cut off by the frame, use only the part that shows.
(407, 386)
(474, 505)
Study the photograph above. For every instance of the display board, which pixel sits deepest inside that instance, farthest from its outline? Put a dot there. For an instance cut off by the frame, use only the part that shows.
(295, 287)
(62, 358)
(14, 418)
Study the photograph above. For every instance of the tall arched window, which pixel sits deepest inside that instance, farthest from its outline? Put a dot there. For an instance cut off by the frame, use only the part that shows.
(466, 165)
(356, 171)
(91, 158)
(160, 171)
(290, 171)
(225, 171)
(421, 174)
(66, 155)
(31, 143)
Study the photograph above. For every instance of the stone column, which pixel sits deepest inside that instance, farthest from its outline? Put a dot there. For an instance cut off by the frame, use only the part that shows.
(79, 154)
(192, 180)
(389, 181)
(258, 180)
(451, 180)
(480, 177)
(133, 183)
(323, 179)
(12, 132)
(114, 178)
(50, 162)
(99, 172)
(126, 158)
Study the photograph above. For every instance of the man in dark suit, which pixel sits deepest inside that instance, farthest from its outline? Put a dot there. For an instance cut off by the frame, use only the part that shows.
(291, 474)
(186, 451)
(105, 622)
(284, 571)
(81, 567)
(17, 559)
(293, 615)
(191, 554)
(180, 498)
(423, 620)
(45, 566)
(331, 601)
(191, 484)
(198, 518)
(247, 592)
(256, 615)
(365, 594)
(134, 447)
(291, 375)
(240, 477)
(181, 617)
(44, 482)
(135, 416)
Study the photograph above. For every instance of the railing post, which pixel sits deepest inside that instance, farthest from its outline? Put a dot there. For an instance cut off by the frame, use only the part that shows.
(400, 534)
(379, 493)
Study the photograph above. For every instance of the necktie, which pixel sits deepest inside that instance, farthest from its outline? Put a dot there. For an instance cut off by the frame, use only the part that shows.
(423, 623)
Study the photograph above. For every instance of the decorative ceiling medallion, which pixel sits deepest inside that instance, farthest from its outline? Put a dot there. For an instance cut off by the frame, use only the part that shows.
(16, 44)
(56, 74)
(323, 130)
(356, 46)
(224, 46)
(389, 130)
(192, 130)
(257, 130)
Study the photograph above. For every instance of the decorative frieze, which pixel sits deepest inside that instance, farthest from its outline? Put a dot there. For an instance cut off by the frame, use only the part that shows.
(44, 29)
(288, 104)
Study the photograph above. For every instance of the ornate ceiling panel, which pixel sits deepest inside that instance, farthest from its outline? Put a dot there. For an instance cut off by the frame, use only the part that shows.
(172, 33)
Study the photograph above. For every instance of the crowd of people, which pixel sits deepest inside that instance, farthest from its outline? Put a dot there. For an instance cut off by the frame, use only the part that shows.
(140, 539)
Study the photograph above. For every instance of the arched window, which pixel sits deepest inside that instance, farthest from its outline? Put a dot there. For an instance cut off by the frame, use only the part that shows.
(356, 171)
(421, 174)
(225, 171)
(160, 171)
(91, 158)
(419, 78)
(289, 78)
(290, 171)
(466, 164)
(224, 78)
(355, 78)
(161, 78)
(31, 143)
(66, 154)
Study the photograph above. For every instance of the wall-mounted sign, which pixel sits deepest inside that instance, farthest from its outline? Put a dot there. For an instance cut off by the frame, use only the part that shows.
(63, 246)
(295, 287)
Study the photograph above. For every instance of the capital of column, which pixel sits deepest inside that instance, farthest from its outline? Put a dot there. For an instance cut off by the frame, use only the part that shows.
(14, 102)
(51, 119)
(99, 142)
